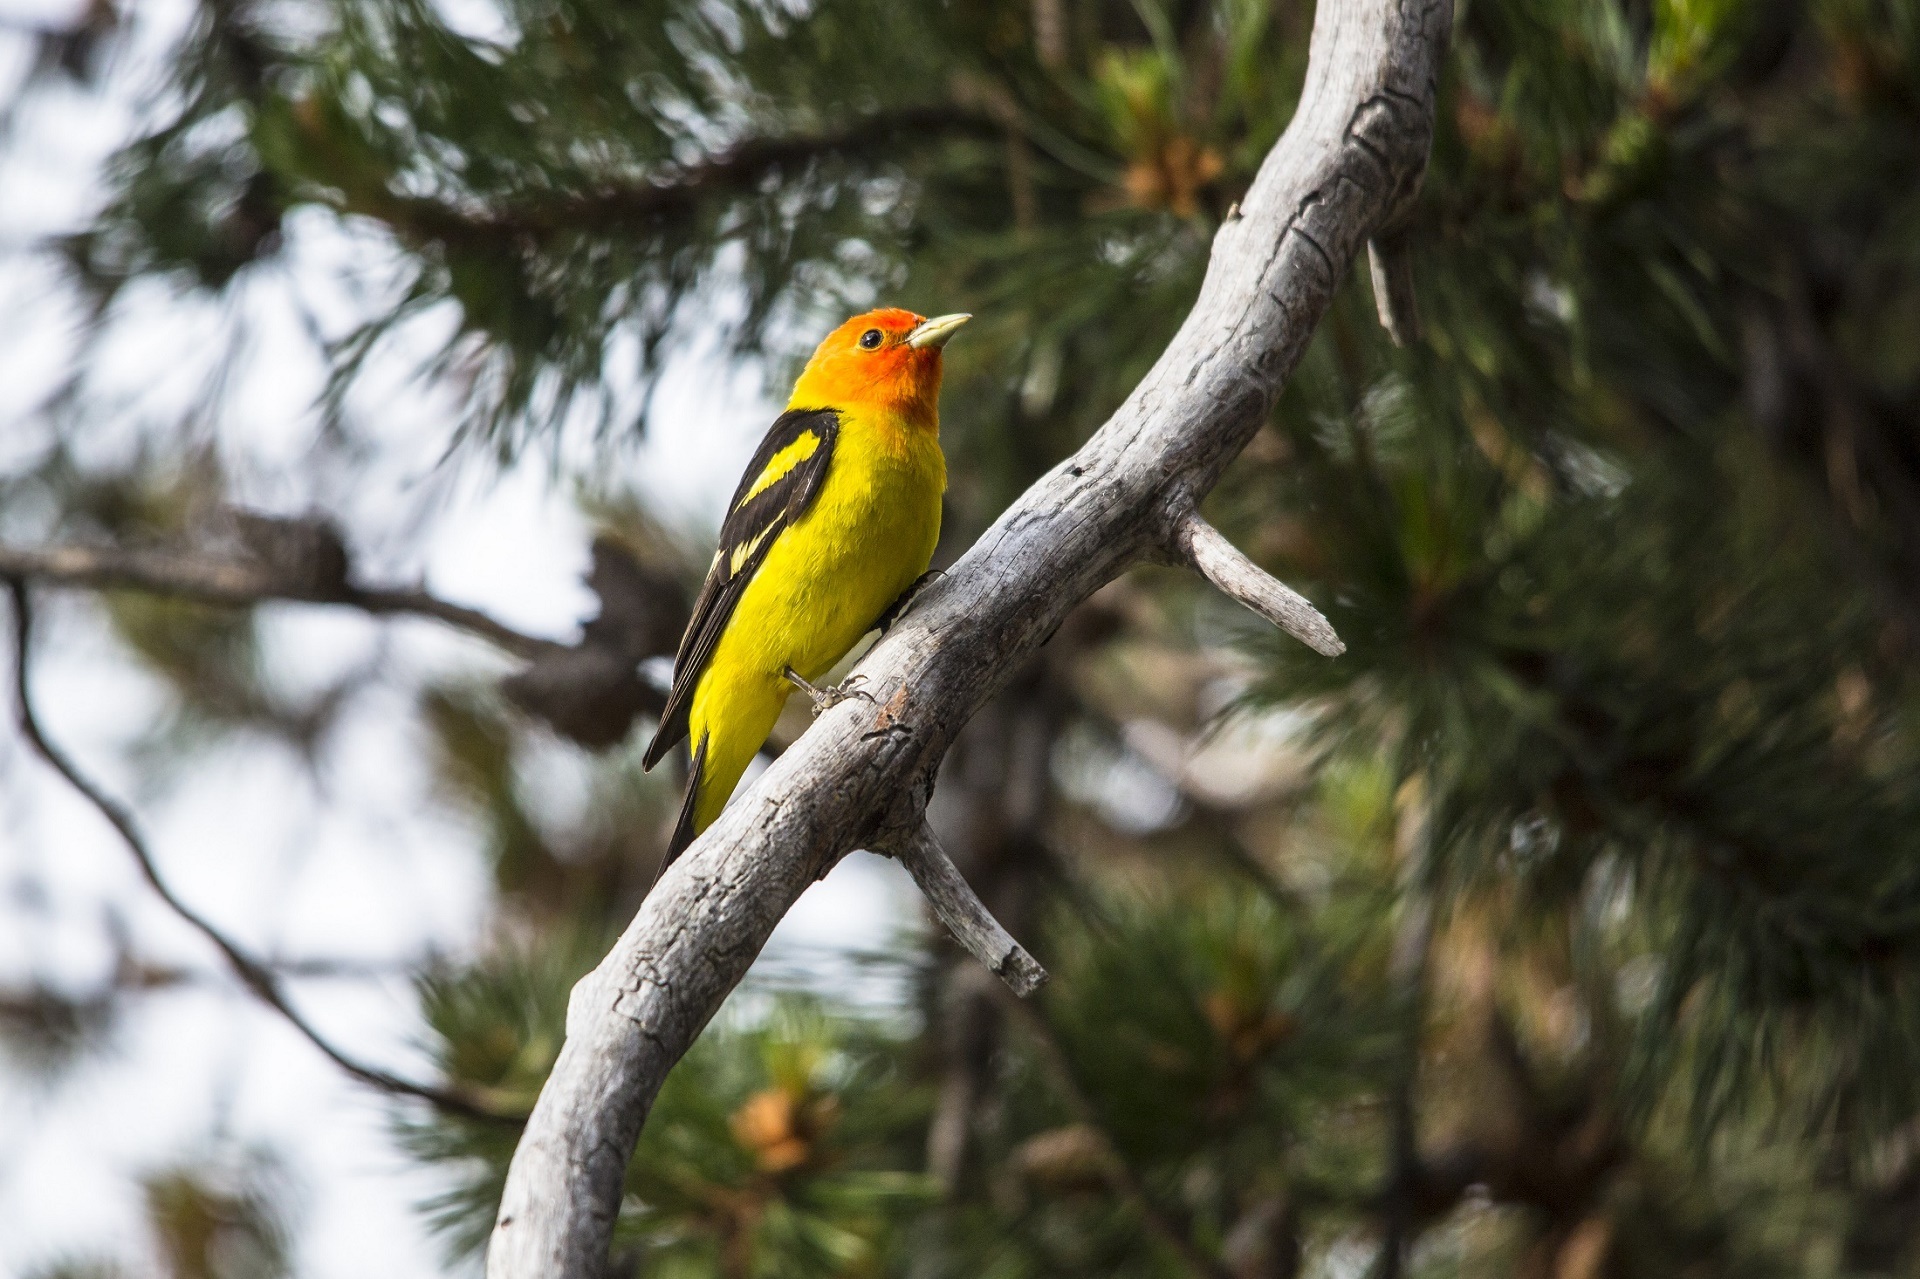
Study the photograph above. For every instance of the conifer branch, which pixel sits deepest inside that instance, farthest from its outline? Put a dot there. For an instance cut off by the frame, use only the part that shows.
(737, 171)
(590, 691)
(1125, 1178)
(1209, 553)
(261, 978)
(860, 775)
(243, 583)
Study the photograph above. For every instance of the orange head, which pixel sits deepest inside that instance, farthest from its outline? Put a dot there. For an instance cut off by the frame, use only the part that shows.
(887, 359)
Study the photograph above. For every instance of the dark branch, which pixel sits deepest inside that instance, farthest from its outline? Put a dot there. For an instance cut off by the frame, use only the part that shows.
(1126, 1180)
(242, 583)
(256, 976)
(741, 170)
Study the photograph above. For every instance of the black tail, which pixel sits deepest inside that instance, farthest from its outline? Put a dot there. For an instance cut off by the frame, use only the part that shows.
(683, 831)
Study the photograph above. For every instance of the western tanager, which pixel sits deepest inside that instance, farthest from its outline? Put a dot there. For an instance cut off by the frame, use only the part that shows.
(834, 522)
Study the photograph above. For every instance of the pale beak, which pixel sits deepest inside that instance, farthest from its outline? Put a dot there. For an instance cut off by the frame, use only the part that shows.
(935, 332)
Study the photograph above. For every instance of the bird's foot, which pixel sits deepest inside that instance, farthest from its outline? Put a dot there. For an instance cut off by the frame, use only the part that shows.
(825, 699)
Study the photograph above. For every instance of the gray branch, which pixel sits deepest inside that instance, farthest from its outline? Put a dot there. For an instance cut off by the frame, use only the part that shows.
(1203, 546)
(965, 915)
(860, 776)
(1390, 264)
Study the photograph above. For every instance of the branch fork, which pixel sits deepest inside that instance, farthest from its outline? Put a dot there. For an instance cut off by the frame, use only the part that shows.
(1346, 163)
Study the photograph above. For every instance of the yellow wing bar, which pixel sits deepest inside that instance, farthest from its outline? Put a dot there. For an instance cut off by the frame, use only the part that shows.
(804, 446)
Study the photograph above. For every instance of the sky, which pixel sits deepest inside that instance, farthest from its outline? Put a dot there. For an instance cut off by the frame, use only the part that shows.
(352, 861)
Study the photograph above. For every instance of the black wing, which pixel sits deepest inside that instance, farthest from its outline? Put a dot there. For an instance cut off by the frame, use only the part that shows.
(780, 484)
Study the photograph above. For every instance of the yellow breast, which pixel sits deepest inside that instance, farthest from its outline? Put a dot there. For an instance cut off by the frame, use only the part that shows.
(868, 535)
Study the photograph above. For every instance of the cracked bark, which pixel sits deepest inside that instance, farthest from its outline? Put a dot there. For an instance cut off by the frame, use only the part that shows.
(861, 775)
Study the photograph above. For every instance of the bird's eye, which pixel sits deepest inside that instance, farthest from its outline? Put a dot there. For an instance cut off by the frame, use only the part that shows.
(870, 339)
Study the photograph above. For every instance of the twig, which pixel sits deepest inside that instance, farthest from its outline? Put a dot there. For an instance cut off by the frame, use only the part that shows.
(389, 601)
(241, 584)
(1390, 265)
(134, 975)
(1125, 1178)
(254, 975)
(965, 915)
(1211, 555)
(1407, 969)
(667, 194)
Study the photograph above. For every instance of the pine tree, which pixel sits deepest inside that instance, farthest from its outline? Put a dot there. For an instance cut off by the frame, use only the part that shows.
(1564, 927)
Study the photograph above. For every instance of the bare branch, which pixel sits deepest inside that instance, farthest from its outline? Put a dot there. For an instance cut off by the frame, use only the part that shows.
(590, 692)
(133, 974)
(1390, 263)
(964, 914)
(242, 583)
(418, 603)
(1203, 546)
(256, 976)
(861, 774)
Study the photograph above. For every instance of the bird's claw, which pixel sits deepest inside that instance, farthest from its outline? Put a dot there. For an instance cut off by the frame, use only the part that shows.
(825, 699)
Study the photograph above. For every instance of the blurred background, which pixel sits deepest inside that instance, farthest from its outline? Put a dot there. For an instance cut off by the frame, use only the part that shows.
(379, 369)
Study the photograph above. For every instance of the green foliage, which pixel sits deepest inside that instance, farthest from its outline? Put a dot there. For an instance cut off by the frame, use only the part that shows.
(1230, 1052)
(778, 1147)
(781, 1149)
(497, 1024)
(1215, 1015)
(223, 1217)
(1635, 647)
(1624, 556)
(585, 184)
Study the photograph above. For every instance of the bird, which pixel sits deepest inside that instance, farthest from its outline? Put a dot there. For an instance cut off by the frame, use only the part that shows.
(829, 534)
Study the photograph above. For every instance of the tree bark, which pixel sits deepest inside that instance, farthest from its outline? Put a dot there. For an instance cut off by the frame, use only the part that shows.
(860, 776)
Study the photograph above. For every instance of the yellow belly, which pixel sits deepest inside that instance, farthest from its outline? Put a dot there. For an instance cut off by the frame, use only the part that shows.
(826, 580)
